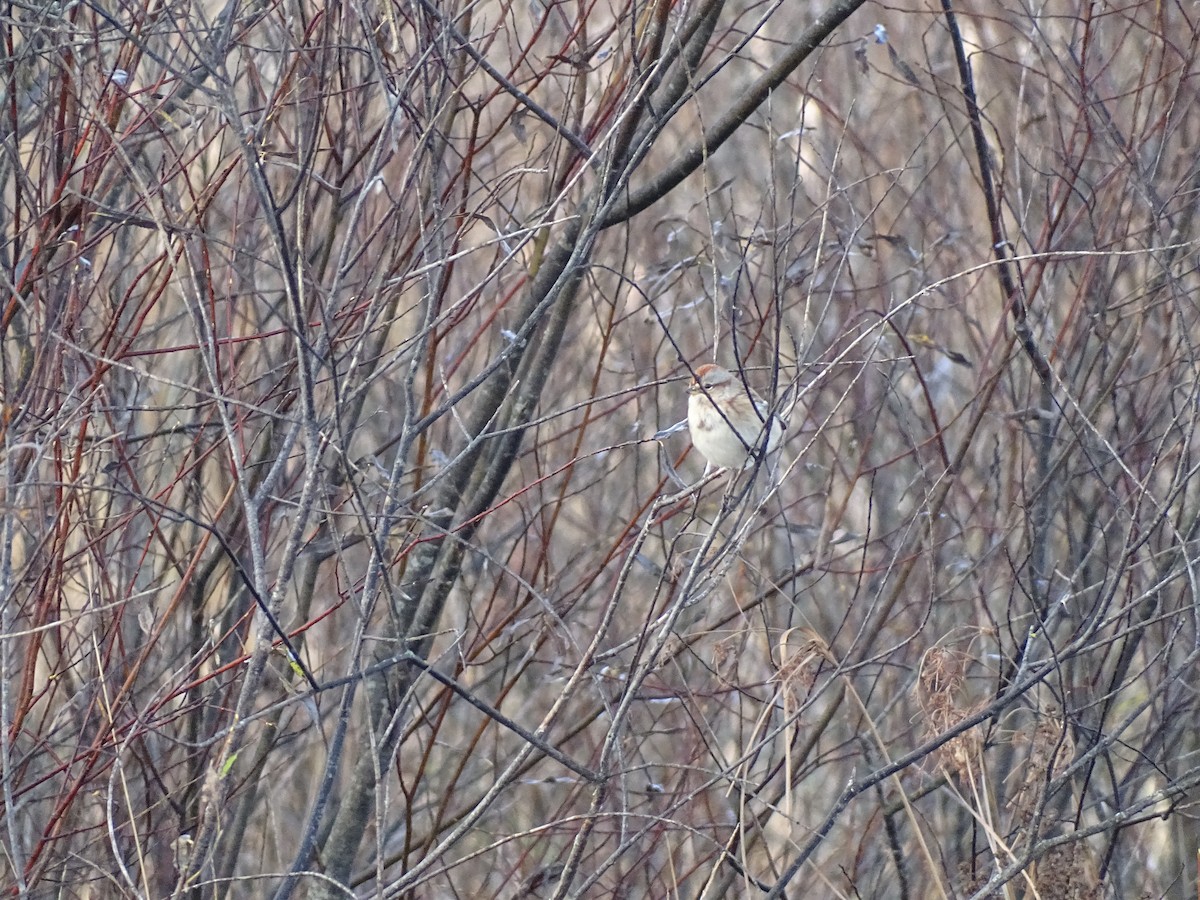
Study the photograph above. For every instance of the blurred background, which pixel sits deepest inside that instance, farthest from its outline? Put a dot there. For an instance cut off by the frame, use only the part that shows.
(340, 557)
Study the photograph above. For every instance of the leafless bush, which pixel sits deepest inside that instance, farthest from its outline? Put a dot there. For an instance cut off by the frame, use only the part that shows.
(347, 549)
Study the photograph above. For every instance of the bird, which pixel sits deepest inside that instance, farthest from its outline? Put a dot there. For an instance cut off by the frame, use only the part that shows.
(726, 419)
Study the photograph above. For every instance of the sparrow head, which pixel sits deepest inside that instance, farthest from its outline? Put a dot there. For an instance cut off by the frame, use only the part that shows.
(709, 377)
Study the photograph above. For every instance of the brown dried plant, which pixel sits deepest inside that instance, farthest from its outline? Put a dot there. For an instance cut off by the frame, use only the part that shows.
(944, 705)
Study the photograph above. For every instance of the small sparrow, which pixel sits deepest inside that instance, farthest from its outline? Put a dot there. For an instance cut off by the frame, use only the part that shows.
(726, 418)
